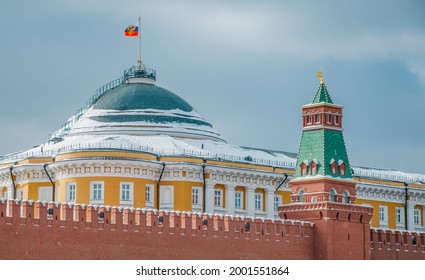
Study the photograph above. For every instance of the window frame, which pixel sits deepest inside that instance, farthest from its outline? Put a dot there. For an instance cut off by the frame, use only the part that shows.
(416, 217)
(218, 198)
(332, 195)
(328, 117)
(345, 197)
(399, 217)
(238, 200)
(149, 195)
(196, 192)
(93, 197)
(258, 201)
(277, 203)
(336, 119)
(318, 117)
(383, 215)
(130, 199)
(301, 195)
(309, 118)
(69, 191)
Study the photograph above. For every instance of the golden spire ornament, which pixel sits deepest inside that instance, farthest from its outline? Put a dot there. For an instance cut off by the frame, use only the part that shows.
(320, 75)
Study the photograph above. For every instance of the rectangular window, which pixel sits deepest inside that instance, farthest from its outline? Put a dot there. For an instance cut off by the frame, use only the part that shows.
(238, 199)
(416, 217)
(218, 198)
(309, 119)
(399, 216)
(125, 191)
(20, 194)
(258, 201)
(383, 215)
(97, 191)
(149, 195)
(336, 119)
(72, 191)
(197, 196)
(277, 201)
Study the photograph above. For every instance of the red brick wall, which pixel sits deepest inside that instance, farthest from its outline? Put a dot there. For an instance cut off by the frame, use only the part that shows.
(396, 245)
(75, 232)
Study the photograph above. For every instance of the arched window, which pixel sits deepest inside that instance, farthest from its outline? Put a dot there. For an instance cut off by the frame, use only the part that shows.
(314, 200)
(313, 167)
(301, 196)
(332, 195)
(346, 197)
(309, 118)
(333, 166)
(328, 117)
(317, 116)
(336, 118)
(342, 168)
(303, 168)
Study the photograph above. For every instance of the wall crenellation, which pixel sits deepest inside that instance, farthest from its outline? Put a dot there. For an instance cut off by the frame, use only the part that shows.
(69, 215)
(397, 244)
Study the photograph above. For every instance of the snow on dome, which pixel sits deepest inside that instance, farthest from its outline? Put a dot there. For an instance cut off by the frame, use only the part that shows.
(143, 109)
(134, 105)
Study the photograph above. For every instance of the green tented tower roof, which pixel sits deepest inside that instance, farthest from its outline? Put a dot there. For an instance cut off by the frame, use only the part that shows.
(322, 95)
(323, 144)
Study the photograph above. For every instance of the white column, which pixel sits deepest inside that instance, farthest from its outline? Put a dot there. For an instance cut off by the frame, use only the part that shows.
(410, 216)
(209, 198)
(270, 204)
(250, 202)
(230, 199)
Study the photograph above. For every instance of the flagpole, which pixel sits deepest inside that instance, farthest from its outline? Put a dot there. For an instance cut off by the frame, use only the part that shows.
(139, 62)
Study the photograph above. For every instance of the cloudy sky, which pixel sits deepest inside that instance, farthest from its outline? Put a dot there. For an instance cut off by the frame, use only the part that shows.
(246, 66)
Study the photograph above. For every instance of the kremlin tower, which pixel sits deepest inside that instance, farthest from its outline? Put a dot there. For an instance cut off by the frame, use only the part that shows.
(323, 190)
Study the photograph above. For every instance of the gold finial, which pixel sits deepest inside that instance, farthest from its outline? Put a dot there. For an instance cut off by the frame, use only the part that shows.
(320, 75)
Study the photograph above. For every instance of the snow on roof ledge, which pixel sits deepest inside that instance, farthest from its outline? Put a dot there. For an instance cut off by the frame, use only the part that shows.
(391, 175)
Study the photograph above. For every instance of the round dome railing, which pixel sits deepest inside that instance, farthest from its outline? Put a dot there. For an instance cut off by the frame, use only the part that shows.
(133, 72)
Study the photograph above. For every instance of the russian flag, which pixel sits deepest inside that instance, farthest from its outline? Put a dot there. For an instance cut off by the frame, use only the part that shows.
(132, 31)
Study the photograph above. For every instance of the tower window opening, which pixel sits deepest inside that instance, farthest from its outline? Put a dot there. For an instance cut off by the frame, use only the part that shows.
(332, 195)
(303, 168)
(342, 168)
(301, 196)
(336, 119)
(333, 166)
(313, 168)
(346, 197)
(328, 117)
(317, 116)
(309, 118)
